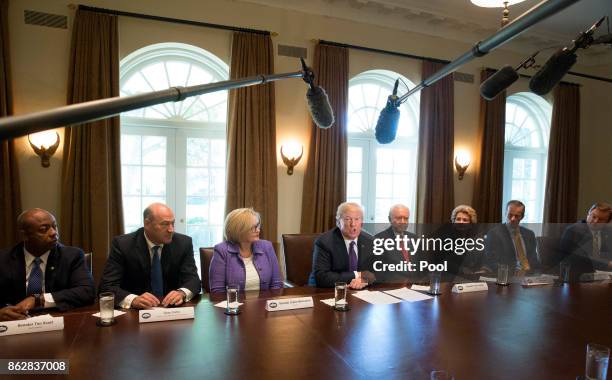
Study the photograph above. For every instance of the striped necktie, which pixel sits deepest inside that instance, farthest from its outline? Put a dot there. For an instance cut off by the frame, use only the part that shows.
(36, 278)
(522, 257)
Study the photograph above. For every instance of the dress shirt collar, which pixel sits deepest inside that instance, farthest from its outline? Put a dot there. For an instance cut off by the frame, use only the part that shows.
(150, 245)
(29, 258)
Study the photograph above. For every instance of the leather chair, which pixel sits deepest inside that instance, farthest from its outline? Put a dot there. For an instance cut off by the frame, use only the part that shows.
(206, 255)
(549, 251)
(298, 257)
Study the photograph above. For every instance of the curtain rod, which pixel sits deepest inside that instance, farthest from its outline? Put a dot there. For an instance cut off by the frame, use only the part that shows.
(381, 51)
(174, 20)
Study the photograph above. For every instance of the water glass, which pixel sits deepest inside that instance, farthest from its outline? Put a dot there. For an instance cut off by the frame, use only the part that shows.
(434, 283)
(107, 308)
(502, 274)
(233, 306)
(340, 302)
(597, 357)
(564, 272)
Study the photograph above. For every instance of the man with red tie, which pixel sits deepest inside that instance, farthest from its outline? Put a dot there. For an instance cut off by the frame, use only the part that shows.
(344, 253)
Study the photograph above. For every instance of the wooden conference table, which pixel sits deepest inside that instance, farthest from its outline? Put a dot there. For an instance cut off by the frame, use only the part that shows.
(503, 333)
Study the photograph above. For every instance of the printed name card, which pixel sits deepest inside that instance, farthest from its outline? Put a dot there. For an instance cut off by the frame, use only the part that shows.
(537, 280)
(470, 287)
(32, 325)
(165, 314)
(289, 303)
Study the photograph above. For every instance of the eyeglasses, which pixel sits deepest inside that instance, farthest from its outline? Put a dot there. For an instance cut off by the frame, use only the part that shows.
(256, 227)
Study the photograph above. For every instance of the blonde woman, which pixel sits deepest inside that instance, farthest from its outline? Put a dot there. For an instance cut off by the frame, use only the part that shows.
(243, 259)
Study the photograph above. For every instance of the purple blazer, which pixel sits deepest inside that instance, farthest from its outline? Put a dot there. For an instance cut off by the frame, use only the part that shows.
(227, 266)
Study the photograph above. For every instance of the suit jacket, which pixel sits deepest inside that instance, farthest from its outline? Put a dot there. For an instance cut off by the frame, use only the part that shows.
(499, 248)
(227, 267)
(66, 277)
(330, 262)
(396, 257)
(577, 248)
(128, 268)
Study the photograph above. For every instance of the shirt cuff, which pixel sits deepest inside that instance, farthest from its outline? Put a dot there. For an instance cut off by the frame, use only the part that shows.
(357, 275)
(49, 301)
(126, 303)
(188, 294)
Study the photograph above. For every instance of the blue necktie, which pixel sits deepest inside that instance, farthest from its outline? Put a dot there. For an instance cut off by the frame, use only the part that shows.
(36, 277)
(157, 281)
(352, 257)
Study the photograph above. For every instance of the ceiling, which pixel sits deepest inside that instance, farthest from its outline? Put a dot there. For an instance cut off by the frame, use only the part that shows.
(461, 20)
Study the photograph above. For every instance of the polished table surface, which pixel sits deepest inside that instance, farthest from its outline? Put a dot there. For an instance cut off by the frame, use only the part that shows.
(503, 333)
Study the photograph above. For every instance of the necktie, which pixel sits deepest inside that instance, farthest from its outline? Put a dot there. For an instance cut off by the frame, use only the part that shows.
(596, 243)
(36, 278)
(352, 257)
(157, 281)
(405, 252)
(522, 257)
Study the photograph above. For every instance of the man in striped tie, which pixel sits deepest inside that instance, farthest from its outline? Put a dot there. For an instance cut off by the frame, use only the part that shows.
(344, 253)
(41, 273)
(153, 265)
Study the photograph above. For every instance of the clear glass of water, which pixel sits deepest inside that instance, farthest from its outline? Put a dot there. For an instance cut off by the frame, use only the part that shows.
(597, 358)
(434, 283)
(340, 302)
(233, 306)
(502, 274)
(564, 272)
(107, 308)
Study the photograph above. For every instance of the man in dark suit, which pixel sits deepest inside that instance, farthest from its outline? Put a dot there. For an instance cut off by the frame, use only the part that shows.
(587, 245)
(512, 244)
(344, 253)
(399, 216)
(153, 265)
(40, 272)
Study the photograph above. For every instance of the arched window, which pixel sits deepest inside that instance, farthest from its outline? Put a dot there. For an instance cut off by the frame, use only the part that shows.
(379, 176)
(175, 152)
(526, 151)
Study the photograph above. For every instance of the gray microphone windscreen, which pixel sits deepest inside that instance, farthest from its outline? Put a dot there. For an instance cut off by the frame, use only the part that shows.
(498, 82)
(319, 107)
(386, 126)
(551, 73)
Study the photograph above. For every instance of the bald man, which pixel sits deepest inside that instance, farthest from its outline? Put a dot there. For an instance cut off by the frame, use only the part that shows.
(40, 273)
(153, 266)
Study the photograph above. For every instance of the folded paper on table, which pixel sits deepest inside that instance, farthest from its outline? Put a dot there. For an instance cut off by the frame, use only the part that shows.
(408, 295)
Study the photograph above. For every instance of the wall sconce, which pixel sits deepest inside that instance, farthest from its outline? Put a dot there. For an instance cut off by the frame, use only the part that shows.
(292, 157)
(44, 144)
(462, 161)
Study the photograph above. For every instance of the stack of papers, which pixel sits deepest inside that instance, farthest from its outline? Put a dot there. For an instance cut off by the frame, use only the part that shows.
(116, 313)
(421, 288)
(408, 295)
(223, 304)
(376, 297)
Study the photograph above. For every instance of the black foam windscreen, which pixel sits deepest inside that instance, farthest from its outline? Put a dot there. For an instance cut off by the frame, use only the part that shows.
(386, 126)
(319, 107)
(551, 73)
(498, 82)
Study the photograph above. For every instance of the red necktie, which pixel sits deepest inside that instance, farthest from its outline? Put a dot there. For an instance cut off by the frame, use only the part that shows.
(405, 252)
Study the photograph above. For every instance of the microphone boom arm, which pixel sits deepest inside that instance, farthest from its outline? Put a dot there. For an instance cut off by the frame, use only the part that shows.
(536, 14)
(79, 113)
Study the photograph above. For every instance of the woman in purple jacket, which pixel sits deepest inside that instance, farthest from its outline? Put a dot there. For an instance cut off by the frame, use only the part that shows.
(242, 259)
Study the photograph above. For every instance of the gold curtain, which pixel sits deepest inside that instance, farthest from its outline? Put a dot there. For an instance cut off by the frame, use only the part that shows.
(325, 178)
(435, 197)
(561, 194)
(91, 204)
(10, 193)
(251, 134)
(489, 159)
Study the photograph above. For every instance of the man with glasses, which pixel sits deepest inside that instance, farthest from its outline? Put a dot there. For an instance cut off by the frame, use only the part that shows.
(344, 254)
(152, 266)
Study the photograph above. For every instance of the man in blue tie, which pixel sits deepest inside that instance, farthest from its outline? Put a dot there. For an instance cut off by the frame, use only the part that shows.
(344, 253)
(40, 273)
(152, 266)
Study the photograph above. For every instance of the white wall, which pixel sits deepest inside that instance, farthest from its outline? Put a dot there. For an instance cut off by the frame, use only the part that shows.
(40, 67)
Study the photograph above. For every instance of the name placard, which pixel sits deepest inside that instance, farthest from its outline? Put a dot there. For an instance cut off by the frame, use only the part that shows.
(289, 303)
(163, 314)
(537, 280)
(597, 276)
(470, 287)
(32, 325)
